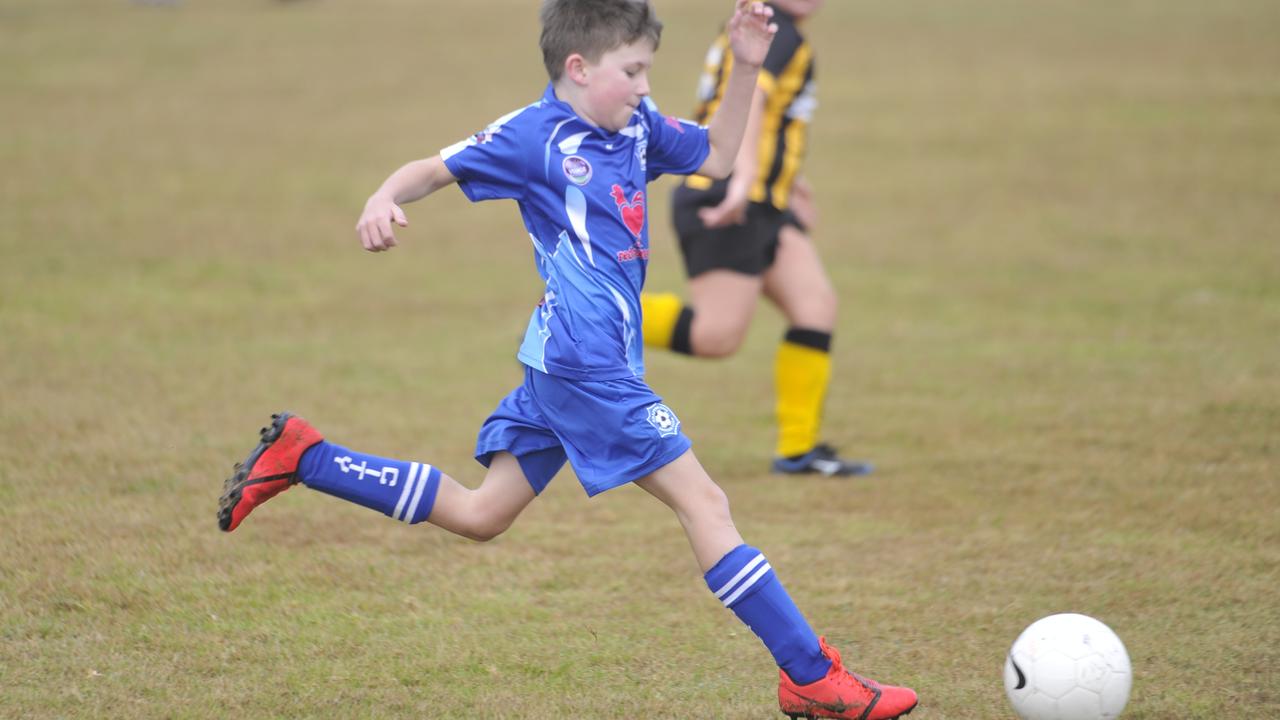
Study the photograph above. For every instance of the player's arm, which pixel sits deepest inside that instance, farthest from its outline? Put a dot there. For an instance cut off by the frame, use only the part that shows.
(414, 181)
(733, 209)
(750, 34)
(803, 204)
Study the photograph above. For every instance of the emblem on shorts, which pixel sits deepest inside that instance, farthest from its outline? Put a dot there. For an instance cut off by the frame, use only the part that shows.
(662, 419)
(577, 169)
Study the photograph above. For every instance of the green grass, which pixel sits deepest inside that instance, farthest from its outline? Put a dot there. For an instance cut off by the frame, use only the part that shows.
(1053, 226)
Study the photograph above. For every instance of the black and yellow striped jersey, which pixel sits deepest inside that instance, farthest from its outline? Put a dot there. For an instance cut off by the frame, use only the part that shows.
(787, 80)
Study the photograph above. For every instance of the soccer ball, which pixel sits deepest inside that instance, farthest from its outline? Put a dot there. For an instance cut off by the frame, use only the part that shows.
(1067, 667)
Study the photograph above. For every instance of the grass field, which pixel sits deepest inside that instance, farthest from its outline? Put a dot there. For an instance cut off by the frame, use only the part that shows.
(1053, 225)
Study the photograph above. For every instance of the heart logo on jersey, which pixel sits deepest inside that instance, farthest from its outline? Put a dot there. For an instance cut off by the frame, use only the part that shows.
(632, 212)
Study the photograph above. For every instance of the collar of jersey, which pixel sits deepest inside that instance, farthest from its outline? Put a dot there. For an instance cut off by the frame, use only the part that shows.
(549, 98)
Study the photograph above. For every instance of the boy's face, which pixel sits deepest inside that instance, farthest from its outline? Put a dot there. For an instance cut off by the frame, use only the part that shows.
(616, 85)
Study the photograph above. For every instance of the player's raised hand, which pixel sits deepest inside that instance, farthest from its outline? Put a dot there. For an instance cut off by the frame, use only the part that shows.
(731, 211)
(374, 226)
(750, 32)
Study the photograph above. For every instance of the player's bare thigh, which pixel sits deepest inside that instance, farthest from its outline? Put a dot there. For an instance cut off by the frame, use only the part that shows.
(486, 512)
(798, 283)
(724, 302)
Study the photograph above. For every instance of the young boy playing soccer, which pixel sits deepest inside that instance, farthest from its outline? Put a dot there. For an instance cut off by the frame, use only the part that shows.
(577, 162)
(748, 235)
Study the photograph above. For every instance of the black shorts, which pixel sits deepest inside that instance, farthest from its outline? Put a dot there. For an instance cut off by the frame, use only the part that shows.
(749, 249)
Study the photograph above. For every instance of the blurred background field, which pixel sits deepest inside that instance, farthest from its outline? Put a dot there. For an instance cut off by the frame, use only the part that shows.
(1053, 225)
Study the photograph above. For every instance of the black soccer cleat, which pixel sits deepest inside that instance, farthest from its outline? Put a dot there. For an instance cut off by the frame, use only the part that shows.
(821, 460)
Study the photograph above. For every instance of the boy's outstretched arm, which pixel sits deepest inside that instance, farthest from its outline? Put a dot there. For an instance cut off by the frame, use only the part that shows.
(414, 181)
(750, 34)
(732, 210)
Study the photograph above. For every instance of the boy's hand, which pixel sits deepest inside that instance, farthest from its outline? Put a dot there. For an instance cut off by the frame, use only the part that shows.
(374, 226)
(750, 32)
(731, 211)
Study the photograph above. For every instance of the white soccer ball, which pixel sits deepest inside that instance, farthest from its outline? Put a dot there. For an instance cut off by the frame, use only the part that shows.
(1067, 667)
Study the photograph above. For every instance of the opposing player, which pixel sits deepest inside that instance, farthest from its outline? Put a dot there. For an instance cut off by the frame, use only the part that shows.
(748, 235)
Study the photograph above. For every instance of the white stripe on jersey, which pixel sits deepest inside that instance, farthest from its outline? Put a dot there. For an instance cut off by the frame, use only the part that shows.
(493, 127)
(546, 153)
(408, 488)
(570, 145)
(628, 328)
(575, 204)
(565, 241)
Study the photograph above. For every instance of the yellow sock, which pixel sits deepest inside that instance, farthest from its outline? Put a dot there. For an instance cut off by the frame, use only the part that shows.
(659, 313)
(801, 375)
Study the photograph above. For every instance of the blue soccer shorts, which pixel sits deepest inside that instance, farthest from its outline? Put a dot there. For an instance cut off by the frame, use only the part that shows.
(611, 432)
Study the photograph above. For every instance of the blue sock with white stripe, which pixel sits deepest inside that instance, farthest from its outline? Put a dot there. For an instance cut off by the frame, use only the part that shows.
(401, 490)
(745, 582)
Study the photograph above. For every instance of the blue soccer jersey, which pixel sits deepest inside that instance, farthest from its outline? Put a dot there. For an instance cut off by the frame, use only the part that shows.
(581, 192)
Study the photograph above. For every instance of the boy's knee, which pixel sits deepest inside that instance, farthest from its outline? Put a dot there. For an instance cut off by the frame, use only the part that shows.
(483, 527)
(485, 530)
(713, 502)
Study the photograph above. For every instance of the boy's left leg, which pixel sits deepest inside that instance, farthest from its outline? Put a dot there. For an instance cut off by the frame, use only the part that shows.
(798, 284)
(812, 680)
(292, 452)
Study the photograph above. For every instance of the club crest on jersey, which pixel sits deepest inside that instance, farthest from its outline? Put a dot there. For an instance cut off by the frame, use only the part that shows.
(663, 420)
(632, 212)
(577, 169)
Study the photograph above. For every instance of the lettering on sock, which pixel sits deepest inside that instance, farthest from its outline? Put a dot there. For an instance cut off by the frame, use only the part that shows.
(386, 476)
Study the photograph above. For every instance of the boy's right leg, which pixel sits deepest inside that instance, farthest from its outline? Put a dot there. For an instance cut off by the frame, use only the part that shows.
(812, 680)
(291, 451)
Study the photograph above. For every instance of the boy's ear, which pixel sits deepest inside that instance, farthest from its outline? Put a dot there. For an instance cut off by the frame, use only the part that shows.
(575, 68)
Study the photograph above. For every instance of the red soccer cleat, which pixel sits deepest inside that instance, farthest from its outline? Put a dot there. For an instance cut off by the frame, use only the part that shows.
(268, 471)
(842, 694)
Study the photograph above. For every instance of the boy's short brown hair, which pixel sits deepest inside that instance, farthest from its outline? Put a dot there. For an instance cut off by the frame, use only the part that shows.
(592, 28)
